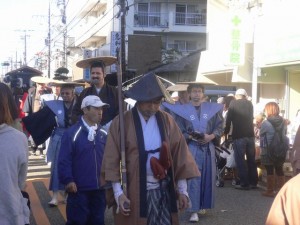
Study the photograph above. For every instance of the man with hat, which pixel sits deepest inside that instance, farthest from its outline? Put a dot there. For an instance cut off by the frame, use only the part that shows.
(181, 89)
(55, 86)
(33, 103)
(79, 165)
(240, 117)
(201, 123)
(99, 87)
(179, 95)
(158, 161)
(50, 122)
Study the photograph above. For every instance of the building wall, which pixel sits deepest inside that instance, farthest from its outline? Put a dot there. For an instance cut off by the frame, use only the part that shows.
(294, 94)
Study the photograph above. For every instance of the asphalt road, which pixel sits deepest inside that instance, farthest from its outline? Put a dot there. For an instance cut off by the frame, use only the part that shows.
(232, 207)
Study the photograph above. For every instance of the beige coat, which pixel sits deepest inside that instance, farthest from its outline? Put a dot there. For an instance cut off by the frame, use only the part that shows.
(285, 208)
(183, 164)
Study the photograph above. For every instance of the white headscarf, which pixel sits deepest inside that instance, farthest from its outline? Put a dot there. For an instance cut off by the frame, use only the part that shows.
(92, 130)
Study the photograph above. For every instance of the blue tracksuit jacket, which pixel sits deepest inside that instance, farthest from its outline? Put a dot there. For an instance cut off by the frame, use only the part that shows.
(79, 159)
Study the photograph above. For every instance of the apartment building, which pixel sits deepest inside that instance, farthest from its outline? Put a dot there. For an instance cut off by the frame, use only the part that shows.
(156, 31)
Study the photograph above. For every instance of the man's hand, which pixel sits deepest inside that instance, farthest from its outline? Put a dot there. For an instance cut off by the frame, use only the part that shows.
(183, 202)
(207, 138)
(124, 205)
(71, 187)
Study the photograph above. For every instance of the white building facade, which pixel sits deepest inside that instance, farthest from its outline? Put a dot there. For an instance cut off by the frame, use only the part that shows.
(255, 45)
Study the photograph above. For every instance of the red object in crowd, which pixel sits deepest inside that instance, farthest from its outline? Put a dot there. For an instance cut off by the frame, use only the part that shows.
(21, 113)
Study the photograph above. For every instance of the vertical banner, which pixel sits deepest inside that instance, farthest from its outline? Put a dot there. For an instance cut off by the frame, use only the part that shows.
(236, 53)
(86, 71)
(114, 45)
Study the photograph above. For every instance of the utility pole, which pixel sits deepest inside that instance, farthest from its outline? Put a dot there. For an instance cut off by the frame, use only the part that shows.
(25, 51)
(123, 26)
(61, 4)
(64, 21)
(49, 41)
(25, 45)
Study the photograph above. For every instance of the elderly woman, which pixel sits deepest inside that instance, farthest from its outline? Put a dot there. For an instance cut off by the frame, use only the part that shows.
(13, 165)
(267, 129)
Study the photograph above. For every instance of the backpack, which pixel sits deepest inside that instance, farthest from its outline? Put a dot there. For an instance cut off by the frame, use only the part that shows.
(277, 149)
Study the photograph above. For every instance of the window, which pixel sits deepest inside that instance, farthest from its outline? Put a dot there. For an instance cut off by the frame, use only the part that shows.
(185, 46)
(187, 14)
(148, 14)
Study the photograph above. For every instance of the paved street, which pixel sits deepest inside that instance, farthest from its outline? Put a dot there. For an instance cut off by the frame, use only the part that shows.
(233, 207)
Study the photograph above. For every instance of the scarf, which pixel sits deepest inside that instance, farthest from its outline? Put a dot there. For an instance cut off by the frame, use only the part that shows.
(92, 130)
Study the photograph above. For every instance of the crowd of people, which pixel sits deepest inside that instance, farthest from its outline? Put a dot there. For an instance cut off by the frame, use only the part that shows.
(149, 162)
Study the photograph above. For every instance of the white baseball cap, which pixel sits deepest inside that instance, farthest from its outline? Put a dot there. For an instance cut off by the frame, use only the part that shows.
(241, 91)
(92, 100)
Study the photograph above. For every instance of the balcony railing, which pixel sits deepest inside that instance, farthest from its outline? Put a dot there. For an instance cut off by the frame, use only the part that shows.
(190, 19)
(161, 20)
(144, 19)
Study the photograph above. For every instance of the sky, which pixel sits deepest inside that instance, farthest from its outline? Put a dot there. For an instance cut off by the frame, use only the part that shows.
(16, 16)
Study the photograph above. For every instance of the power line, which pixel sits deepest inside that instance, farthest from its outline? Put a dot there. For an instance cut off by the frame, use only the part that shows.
(99, 22)
(61, 32)
(67, 26)
(57, 37)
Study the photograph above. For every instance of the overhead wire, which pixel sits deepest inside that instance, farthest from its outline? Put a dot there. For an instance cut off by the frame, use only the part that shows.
(67, 26)
(99, 22)
(57, 37)
(74, 25)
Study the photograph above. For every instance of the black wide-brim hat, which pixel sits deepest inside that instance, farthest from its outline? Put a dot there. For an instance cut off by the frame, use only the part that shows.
(86, 63)
(147, 88)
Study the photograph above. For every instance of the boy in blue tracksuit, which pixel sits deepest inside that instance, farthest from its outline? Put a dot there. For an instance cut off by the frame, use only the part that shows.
(79, 165)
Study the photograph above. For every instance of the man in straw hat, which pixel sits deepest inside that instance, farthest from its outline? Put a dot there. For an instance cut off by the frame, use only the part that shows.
(79, 165)
(99, 87)
(181, 89)
(55, 86)
(158, 161)
(51, 122)
(182, 96)
(201, 123)
(33, 103)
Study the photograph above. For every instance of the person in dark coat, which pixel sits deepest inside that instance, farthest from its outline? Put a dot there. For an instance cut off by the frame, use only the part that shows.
(240, 118)
(33, 103)
(99, 88)
(267, 131)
